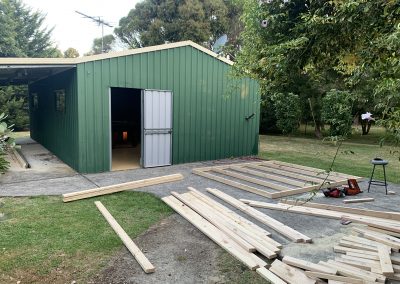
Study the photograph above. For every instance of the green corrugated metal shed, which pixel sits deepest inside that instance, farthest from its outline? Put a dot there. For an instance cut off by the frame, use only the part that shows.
(209, 106)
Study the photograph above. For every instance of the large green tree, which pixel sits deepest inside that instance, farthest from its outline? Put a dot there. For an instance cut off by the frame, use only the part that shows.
(309, 47)
(22, 34)
(154, 22)
(102, 45)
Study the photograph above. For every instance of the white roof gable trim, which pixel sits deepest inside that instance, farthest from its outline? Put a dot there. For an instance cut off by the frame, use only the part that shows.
(69, 61)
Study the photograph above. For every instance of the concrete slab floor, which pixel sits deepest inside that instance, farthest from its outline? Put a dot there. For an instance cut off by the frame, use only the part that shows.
(324, 232)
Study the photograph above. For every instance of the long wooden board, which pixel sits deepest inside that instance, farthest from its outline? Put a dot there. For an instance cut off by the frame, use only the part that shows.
(249, 259)
(342, 279)
(234, 230)
(360, 211)
(290, 274)
(306, 265)
(120, 187)
(267, 220)
(130, 245)
(250, 226)
(385, 261)
(268, 275)
(233, 183)
(371, 221)
(229, 228)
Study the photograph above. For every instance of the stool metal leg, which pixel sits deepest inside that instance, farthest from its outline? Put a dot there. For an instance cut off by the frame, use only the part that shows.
(384, 175)
(372, 174)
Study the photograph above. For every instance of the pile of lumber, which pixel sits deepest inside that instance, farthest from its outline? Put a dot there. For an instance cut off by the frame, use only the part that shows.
(273, 179)
(370, 254)
(237, 235)
(379, 220)
(365, 257)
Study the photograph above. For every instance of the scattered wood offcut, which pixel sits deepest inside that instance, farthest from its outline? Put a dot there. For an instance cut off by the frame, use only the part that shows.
(273, 179)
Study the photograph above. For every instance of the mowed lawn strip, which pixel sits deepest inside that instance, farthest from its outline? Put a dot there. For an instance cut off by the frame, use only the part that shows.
(353, 158)
(43, 239)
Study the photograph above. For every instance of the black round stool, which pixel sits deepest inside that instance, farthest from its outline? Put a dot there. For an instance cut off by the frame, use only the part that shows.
(378, 162)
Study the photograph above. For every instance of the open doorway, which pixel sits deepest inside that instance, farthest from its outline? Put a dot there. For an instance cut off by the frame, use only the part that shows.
(125, 128)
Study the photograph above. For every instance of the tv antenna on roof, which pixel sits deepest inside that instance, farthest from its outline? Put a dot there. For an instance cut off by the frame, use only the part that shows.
(99, 22)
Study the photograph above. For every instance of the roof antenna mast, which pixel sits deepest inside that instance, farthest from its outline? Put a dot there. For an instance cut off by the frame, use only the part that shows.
(99, 21)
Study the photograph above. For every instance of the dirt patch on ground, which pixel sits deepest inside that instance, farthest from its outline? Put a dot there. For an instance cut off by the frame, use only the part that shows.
(180, 253)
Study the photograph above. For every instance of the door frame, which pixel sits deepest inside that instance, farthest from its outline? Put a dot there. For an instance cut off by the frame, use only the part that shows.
(142, 126)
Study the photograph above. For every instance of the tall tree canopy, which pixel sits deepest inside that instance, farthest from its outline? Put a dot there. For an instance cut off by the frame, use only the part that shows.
(22, 32)
(154, 22)
(309, 47)
(71, 53)
(102, 45)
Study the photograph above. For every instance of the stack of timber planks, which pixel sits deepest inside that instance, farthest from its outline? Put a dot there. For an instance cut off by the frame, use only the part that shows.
(237, 235)
(365, 257)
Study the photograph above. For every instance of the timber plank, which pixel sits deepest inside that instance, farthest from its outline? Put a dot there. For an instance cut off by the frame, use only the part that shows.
(268, 275)
(214, 233)
(267, 220)
(130, 245)
(341, 279)
(290, 274)
(306, 179)
(253, 228)
(233, 183)
(269, 176)
(252, 180)
(385, 261)
(120, 187)
(214, 219)
(306, 265)
(358, 211)
(349, 271)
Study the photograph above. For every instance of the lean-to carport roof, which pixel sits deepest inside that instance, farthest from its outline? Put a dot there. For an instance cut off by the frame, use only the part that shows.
(15, 71)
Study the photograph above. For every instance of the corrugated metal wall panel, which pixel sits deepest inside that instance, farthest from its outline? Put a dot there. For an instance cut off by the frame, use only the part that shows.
(57, 131)
(209, 107)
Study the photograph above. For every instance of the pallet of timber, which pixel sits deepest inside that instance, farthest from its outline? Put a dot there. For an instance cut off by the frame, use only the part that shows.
(390, 225)
(359, 200)
(277, 179)
(120, 187)
(249, 259)
(130, 245)
(269, 221)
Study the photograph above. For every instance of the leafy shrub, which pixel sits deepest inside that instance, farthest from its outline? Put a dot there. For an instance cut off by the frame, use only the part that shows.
(287, 112)
(14, 103)
(6, 142)
(336, 112)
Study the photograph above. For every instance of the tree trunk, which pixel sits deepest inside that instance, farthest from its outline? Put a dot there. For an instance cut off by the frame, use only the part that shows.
(317, 130)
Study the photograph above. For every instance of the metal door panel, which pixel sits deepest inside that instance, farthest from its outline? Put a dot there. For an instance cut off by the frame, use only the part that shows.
(157, 128)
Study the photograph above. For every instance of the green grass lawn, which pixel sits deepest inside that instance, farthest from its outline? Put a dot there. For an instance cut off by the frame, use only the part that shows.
(44, 240)
(353, 158)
